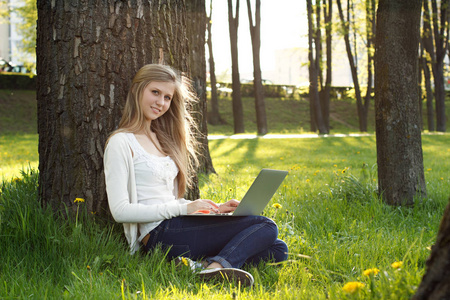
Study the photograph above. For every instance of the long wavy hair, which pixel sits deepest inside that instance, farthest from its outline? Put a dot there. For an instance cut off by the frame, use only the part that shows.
(174, 129)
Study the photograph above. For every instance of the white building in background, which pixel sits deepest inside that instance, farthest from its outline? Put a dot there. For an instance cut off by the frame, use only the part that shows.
(5, 52)
(10, 38)
(291, 67)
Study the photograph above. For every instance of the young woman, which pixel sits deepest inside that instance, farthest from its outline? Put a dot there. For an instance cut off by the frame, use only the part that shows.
(148, 161)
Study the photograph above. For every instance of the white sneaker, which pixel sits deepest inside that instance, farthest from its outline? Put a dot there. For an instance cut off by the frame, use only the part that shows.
(231, 274)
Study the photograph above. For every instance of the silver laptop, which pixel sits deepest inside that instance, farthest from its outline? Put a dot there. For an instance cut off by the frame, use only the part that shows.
(257, 196)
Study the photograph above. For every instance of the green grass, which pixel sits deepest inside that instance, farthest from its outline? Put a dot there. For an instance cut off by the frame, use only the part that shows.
(289, 115)
(331, 218)
(335, 226)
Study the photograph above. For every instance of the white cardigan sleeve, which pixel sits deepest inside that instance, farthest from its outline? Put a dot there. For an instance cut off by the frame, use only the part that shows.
(121, 188)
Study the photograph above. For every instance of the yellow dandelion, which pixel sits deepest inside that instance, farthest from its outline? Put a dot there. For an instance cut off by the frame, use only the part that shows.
(78, 200)
(277, 205)
(429, 169)
(335, 166)
(358, 152)
(185, 261)
(442, 178)
(353, 287)
(281, 158)
(397, 264)
(371, 272)
(308, 180)
(89, 268)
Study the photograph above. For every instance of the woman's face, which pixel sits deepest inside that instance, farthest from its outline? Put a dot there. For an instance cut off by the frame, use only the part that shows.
(156, 99)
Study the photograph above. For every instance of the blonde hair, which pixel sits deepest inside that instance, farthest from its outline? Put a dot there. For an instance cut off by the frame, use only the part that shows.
(174, 129)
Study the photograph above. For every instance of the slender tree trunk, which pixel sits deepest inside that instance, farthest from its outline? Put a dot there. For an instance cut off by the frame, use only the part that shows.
(214, 117)
(399, 144)
(87, 54)
(441, 35)
(370, 33)
(314, 100)
(255, 33)
(197, 65)
(326, 90)
(362, 113)
(427, 41)
(238, 112)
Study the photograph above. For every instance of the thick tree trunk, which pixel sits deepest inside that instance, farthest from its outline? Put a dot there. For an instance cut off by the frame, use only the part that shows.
(399, 145)
(214, 117)
(255, 33)
(238, 112)
(87, 54)
(436, 281)
(197, 65)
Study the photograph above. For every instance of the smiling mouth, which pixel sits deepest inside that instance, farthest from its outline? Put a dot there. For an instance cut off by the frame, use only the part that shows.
(156, 110)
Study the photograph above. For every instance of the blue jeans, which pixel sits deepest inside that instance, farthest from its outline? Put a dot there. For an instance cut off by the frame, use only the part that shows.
(230, 241)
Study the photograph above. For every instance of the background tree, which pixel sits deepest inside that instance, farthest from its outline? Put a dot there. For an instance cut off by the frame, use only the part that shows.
(233, 25)
(214, 116)
(314, 67)
(326, 88)
(255, 33)
(86, 56)
(362, 108)
(440, 34)
(196, 10)
(426, 61)
(399, 144)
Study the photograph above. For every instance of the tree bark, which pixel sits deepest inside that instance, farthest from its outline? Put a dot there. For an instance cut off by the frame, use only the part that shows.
(196, 10)
(399, 145)
(233, 25)
(87, 54)
(255, 33)
(436, 281)
(214, 117)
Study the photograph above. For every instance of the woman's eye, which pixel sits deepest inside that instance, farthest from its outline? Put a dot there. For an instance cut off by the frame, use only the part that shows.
(155, 92)
(167, 98)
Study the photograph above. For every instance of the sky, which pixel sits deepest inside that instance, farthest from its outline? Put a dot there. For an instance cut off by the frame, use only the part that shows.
(283, 25)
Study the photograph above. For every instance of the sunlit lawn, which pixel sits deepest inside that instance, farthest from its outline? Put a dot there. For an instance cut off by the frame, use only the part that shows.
(17, 151)
(335, 226)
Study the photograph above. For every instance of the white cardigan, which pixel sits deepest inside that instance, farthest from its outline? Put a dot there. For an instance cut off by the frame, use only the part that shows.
(122, 195)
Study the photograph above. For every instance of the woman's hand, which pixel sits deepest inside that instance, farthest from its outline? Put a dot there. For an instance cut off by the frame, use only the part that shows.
(202, 204)
(229, 206)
